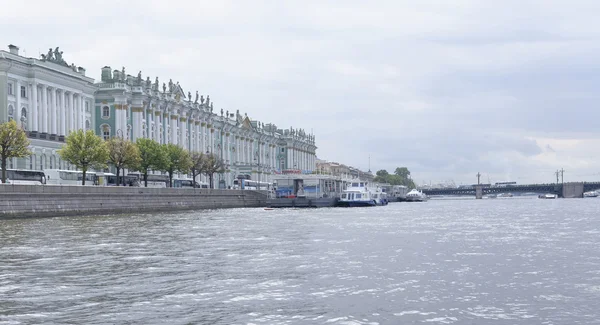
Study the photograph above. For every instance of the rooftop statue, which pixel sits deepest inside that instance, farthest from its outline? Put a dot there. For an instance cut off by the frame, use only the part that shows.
(221, 112)
(50, 55)
(164, 88)
(211, 106)
(196, 101)
(189, 96)
(156, 84)
(207, 100)
(139, 78)
(202, 99)
(123, 75)
(148, 83)
(170, 85)
(227, 114)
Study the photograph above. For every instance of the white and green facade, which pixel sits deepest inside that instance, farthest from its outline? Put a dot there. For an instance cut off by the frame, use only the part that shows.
(135, 108)
(48, 98)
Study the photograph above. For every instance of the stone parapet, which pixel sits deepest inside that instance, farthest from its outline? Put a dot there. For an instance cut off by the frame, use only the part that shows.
(18, 201)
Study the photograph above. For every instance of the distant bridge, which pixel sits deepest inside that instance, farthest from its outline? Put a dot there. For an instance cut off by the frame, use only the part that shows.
(530, 188)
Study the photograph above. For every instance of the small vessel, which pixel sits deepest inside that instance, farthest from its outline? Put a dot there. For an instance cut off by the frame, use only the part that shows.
(590, 194)
(505, 195)
(360, 194)
(416, 196)
(548, 196)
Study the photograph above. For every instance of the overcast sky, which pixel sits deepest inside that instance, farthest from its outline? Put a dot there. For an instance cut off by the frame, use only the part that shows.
(446, 88)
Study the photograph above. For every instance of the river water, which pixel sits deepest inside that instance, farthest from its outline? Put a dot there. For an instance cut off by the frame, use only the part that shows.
(503, 261)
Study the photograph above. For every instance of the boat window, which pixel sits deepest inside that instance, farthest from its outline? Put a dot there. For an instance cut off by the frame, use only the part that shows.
(354, 184)
(358, 196)
(374, 196)
(344, 196)
(362, 184)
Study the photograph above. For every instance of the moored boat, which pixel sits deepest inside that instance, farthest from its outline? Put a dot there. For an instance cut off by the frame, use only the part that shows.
(590, 194)
(548, 196)
(361, 194)
(416, 196)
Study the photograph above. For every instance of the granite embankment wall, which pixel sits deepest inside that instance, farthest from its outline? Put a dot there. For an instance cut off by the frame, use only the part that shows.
(49, 201)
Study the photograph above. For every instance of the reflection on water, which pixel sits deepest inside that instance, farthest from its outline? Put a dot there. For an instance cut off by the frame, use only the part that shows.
(442, 262)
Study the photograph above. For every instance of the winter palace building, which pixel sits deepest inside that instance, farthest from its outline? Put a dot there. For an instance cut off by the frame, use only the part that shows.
(49, 98)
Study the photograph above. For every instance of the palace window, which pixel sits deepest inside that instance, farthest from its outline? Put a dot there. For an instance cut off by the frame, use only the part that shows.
(11, 111)
(105, 131)
(87, 124)
(42, 162)
(105, 112)
(51, 162)
(87, 107)
(23, 92)
(10, 89)
(31, 162)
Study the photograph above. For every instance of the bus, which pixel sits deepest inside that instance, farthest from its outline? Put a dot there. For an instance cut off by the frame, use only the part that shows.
(188, 183)
(25, 176)
(248, 184)
(70, 177)
(159, 181)
(130, 180)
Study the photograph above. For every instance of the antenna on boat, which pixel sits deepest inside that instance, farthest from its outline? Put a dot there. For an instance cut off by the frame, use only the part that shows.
(369, 163)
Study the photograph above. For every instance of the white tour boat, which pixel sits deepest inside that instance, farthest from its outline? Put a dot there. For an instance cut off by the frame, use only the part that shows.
(590, 194)
(416, 196)
(360, 194)
(548, 196)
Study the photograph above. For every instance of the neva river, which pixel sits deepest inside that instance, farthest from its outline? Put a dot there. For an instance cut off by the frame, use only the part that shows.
(503, 261)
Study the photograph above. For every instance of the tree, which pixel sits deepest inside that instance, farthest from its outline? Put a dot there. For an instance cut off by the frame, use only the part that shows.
(152, 157)
(13, 144)
(197, 164)
(85, 150)
(213, 164)
(178, 160)
(402, 172)
(122, 154)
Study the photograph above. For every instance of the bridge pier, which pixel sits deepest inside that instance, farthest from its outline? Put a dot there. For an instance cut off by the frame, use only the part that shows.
(478, 192)
(572, 190)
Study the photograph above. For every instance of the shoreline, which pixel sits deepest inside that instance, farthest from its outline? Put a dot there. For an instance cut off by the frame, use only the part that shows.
(42, 201)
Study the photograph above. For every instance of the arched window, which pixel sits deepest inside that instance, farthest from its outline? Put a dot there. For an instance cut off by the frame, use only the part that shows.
(51, 162)
(23, 112)
(87, 124)
(105, 131)
(11, 110)
(32, 162)
(42, 162)
(105, 112)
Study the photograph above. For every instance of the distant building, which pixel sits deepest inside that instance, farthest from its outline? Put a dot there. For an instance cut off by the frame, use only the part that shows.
(137, 108)
(341, 170)
(48, 98)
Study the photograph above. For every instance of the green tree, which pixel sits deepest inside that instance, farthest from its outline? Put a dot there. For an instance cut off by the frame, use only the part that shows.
(85, 150)
(13, 144)
(152, 157)
(381, 176)
(122, 154)
(178, 161)
(197, 164)
(213, 164)
(402, 172)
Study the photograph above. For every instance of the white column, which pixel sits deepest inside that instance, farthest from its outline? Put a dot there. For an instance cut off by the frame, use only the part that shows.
(81, 112)
(182, 131)
(17, 111)
(44, 120)
(173, 130)
(70, 115)
(34, 107)
(53, 115)
(63, 114)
